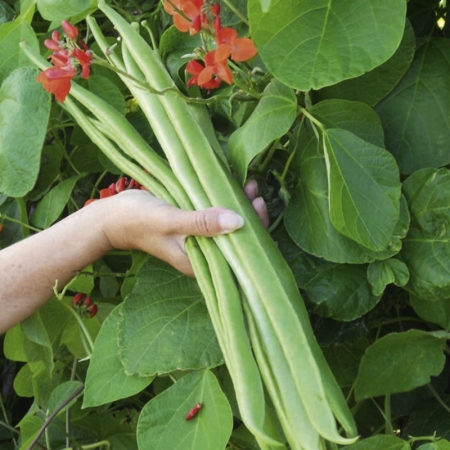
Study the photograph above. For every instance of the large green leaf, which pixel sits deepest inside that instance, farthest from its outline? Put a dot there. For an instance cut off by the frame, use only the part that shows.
(24, 112)
(162, 424)
(106, 380)
(427, 245)
(307, 217)
(11, 56)
(271, 119)
(311, 44)
(434, 311)
(400, 362)
(341, 291)
(416, 114)
(376, 84)
(165, 324)
(364, 189)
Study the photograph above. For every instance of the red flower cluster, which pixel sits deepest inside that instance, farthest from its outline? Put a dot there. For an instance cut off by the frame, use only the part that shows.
(195, 16)
(67, 57)
(84, 305)
(115, 188)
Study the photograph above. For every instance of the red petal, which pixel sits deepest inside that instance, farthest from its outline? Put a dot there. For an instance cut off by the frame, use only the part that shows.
(224, 73)
(52, 45)
(223, 51)
(243, 49)
(60, 73)
(60, 87)
(226, 36)
(206, 75)
(194, 67)
(171, 6)
(181, 23)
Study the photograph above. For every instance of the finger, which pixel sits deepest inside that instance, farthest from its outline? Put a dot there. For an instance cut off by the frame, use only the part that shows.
(207, 222)
(251, 189)
(260, 207)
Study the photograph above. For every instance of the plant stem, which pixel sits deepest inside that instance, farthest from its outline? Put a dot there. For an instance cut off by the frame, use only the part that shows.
(53, 415)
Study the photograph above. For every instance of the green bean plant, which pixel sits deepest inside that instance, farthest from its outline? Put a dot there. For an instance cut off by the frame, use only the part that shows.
(328, 329)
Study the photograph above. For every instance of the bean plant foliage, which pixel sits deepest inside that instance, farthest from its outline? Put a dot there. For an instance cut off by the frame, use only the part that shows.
(341, 111)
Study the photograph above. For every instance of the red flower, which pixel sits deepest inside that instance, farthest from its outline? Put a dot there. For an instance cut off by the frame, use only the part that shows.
(228, 44)
(66, 57)
(56, 80)
(187, 14)
(84, 58)
(195, 69)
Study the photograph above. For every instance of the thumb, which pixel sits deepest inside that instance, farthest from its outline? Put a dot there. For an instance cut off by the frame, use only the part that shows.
(210, 222)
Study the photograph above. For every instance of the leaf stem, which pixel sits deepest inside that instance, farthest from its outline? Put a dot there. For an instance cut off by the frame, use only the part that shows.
(236, 11)
(25, 225)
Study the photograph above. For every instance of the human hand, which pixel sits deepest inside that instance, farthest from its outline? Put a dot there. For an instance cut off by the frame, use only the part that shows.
(144, 222)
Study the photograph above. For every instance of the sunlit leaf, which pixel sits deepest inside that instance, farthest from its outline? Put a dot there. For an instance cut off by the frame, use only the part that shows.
(400, 362)
(309, 45)
(163, 425)
(24, 112)
(165, 324)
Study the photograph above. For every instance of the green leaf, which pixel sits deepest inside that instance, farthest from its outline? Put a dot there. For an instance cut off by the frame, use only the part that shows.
(340, 291)
(307, 217)
(165, 324)
(52, 205)
(353, 116)
(162, 424)
(271, 119)
(434, 311)
(400, 362)
(38, 346)
(430, 418)
(382, 273)
(83, 282)
(176, 49)
(23, 382)
(6, 13)
(427, 245)
(58, 10)
(309, 45)
(62, 393)
(49, 170)
(106, 380)
(364, 189)
(24, 112)
(11, 56)
(344, 360)
(379, 82)
(385, 442)
(108, 91)
(14, 344)
(416, 113)
(439, 445)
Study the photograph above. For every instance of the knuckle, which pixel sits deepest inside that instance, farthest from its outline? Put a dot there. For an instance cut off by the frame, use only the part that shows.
(203, 223)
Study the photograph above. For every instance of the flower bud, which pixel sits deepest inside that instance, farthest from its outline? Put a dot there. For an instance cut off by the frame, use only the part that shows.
(77, 300)
(70, 30)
